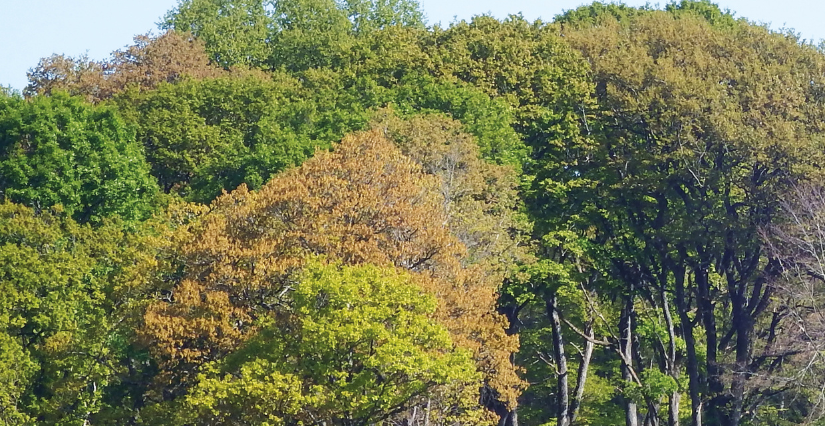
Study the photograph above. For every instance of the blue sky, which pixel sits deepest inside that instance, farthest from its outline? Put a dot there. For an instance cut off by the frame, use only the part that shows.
(32, 29)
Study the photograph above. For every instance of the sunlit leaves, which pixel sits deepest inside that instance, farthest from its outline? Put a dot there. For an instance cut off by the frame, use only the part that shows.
(361, 345)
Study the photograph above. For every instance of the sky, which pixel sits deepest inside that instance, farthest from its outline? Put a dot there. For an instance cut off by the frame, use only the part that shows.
(33, 29)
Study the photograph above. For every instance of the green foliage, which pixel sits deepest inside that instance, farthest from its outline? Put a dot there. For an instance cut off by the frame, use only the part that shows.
(527, 65)
(235, 32)
(593, 14)
(291, 34)
(598, 12)
(59, 150)
(488, 119)
(360, 343)
(650, 147)
(205, 136)
(60, 287)
(704, 8)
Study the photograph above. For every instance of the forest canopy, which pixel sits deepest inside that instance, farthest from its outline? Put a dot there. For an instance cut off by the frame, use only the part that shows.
(318, 212)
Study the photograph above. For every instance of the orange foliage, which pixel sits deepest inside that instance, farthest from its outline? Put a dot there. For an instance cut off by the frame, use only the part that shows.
(363, 203)
(149, 62)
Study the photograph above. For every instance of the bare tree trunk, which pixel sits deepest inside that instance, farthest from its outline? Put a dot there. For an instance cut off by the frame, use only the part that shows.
(626, 349)
(512, 418)
(672, 367)
(581, 378)
(427, 414)
(673, 408)
(562, 385)
(690, 347)
(715, 385)
(742, 323)
(652, 416)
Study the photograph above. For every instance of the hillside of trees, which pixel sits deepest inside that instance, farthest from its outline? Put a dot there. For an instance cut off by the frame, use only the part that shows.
(327, 212)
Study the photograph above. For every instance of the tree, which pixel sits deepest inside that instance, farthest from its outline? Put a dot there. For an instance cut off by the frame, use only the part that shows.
(694, 153)
(202, 137)
(480, 198)
(296, 35)
(526, 65)
(169, 57)
(60, 150)
(234, 32)
(793, 338)
(363, 203)
(359, 346)
(63, 288)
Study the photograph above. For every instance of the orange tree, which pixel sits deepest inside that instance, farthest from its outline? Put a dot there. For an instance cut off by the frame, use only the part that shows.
(364, 203)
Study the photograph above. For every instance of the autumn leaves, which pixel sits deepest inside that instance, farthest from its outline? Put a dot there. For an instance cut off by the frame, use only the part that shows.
(347, 259)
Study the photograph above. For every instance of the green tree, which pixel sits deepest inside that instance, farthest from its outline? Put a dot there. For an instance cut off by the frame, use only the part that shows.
(202, 137)
(695, 149)
(235, 32)
(63, 287)
(60, 150)
(360, 345)
(292, 34)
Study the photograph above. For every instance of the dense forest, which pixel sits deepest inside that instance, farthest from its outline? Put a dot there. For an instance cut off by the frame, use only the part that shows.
(327, 212)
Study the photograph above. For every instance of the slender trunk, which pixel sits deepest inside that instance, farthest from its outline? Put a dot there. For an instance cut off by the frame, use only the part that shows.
(652, 416)
(562, 386)
(690, 348)
(626, 348)
(742, 324)
(584, 366)
(715, 390)
(509, 418)
(413, 414)
(512, 418)
(673, 408)
(427, 413)
(673, 369)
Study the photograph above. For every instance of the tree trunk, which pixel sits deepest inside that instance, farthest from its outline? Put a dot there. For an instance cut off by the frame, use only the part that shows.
(690, 347)
(672, 366)
(715, 385)
(562, 386)
(584, 366)
(742, 324)
(626, 348)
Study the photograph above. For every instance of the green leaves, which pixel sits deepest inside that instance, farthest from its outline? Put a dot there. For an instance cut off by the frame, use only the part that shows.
(202, 137)
(361, 343)
(57, 316)
(235, 32)
(60, 151)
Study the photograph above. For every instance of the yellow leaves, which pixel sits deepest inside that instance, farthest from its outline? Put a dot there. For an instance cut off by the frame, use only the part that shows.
(58, 342)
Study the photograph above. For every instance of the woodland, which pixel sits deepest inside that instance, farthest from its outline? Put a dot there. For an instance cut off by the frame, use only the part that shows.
(328, 212)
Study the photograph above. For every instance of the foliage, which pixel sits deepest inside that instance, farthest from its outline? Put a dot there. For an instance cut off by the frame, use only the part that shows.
(233, 32)
(63, 289)
(480, 199)
(617, 190)
(59, 151)
(694, 153)
(292, 34)
(363, 203)
(169, 57)
(360, 344)
(202, 137)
